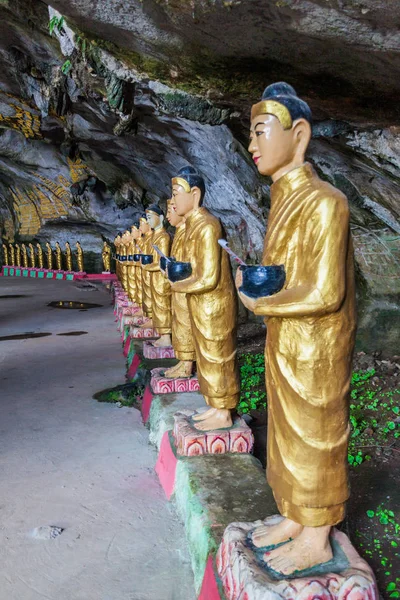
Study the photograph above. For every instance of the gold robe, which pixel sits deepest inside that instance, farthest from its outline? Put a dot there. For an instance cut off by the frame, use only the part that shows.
(212, 302)
(12, 255)
(123, 269)
(25, 263)
(146, 277)
(182, 339)
(58, 258)
(5, 255)
(138, 273)
(310, 339)
(160, 286)
(131, 273)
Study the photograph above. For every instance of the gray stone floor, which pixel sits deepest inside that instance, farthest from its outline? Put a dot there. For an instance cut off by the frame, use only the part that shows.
(69, 461)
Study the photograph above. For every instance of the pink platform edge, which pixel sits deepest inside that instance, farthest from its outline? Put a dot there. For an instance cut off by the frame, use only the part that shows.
(209, 587)
(133, 367)
(166, 470)
(146, 404)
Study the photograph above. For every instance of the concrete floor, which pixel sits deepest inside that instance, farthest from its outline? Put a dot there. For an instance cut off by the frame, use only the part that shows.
(70, 461)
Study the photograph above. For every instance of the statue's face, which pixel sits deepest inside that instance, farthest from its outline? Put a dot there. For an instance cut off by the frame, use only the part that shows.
(172, 215)
(153, 219)
(135, 233)
(144, 227)
(184, 201)
(272, 146)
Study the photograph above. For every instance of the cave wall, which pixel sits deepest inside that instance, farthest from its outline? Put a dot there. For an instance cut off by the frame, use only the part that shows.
(96, 116)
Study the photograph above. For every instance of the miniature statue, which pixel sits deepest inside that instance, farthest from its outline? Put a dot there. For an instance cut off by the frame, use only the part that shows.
(12, 254)
(40, 256)
(17, 255)
(49, 255)
(5, 255)
(311, 328)
(212, 302)
(32, 256)
(160, 286)
(24, 252)
(182, 339)
(147, 234)
(106, 256)
(68, 256)
(79, 257)
(58, 257)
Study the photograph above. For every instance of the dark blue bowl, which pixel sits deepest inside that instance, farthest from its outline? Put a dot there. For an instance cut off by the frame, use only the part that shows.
(130, 257)
(260, 281)
(123, 258)
(163, 262)
(179, 270)
(137, 257)
(117, 256)
(147, 259)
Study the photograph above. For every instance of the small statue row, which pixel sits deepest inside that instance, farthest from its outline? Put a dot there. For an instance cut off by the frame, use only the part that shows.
(17, 255)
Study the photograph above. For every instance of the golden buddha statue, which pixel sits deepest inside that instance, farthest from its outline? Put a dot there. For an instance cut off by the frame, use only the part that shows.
(24, 252)
(212, 302)
(147, 236)
(117, 244)
(58, 257)
(131, 270)
(12, 254)
(5, 255)
(79, 257)
(40, 256)
(32, 256)
(182, 339)
(123, 252)
(311, 328)
(17, 255)
(136, 236)
(68, 256)
(160, 286)
(49, 255)
(106, 257)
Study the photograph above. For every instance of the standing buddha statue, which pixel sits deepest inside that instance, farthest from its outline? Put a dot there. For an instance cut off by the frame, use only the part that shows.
(182, 339)
(49, 255)
(40, 256)
(79, 257)
(131, 270)
(17, 255)
(5, 255)
(106, 256)
(12, 254)
(32, 256)
(160, 286)
(212, 302)
(311, 331)
(24, 251)
(136, 236)
(147, 236)
(123, 250)
(58, 257)
(68, 256)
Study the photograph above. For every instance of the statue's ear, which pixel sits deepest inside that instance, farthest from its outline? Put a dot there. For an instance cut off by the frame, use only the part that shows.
(301, 131)
(196, 194)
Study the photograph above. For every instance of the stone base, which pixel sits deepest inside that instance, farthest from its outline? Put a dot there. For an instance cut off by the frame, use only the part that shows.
(164, 385)
(189, 441)
(139, 333)
(154, 353)
(243, 575)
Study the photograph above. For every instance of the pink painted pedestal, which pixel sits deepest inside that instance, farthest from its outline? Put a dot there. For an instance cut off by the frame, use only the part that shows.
(154, 353)
(139, 333)
(243, 577)
(133, 367)
(189, 441)
(164, 385)
(146, 404)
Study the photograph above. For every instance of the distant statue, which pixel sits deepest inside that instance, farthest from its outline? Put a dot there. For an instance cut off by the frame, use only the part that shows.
(25, 263)
(49, 254)
(58, 257)
(106, 256)
(17, 255)
(68, 256)
(12, 254)
(32, 256)
(5, 255)
(79, 257)
(40, 256)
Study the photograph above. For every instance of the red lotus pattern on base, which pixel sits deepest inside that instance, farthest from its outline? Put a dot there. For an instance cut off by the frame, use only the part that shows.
(164, 385)
(154, 353)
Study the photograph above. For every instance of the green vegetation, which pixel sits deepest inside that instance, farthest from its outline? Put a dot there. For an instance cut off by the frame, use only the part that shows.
(56, 23)
(252, 380)
(127, 394)
(66, 67)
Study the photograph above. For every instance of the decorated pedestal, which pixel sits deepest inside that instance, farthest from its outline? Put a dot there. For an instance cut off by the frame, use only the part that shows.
(164, 385)
(189, 441)
(139, 333)
(155, 353)
(243, 574)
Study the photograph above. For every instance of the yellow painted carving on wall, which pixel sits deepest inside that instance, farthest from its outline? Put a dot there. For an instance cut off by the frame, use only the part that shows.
(22, 120)
(78, 170)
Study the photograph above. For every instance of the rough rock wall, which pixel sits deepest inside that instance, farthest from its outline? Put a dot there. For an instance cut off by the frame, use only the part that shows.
(96, 117)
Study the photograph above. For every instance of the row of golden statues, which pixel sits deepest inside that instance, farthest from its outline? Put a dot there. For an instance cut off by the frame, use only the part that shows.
(186, 291)
(17, 255)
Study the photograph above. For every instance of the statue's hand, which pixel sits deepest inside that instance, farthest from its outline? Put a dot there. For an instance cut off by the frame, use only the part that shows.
(239, 278)
(249, 303)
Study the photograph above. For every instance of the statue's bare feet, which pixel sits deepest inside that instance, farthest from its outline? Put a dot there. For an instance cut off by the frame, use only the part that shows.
(147, 323)
(182, 369)
(220, 419)
(163, 341)
(269, 535)
(204, 415)
(310, 548)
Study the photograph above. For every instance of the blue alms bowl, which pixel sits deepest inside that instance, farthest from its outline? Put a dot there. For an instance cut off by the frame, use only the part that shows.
(117, 256)
(137, 257)
(147, 259)
(260, 281)
(123, 257)
(179, 270)
(130, 257)
(163, 262)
